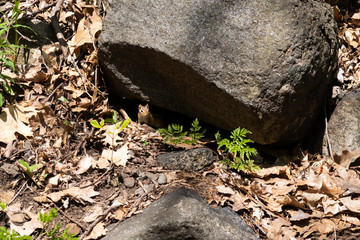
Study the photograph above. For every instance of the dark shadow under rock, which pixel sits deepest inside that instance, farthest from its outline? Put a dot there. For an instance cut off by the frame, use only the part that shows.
(183, 214)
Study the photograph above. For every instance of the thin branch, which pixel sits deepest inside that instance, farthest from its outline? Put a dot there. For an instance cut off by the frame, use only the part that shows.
(55, 23)
(327, 135)
(63, 213)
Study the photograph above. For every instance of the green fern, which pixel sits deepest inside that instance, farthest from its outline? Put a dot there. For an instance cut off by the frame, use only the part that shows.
(239, 153)
(175, 133)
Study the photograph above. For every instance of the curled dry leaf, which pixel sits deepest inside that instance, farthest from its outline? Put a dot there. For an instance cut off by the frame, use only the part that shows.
(225, 190)
(84, 164)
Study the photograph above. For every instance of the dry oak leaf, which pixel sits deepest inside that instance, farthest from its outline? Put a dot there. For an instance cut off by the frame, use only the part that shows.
(98, 231)
(27, 228)
(351, 204)
(80, 194)
(265, 172)
(119, 156)
(13, 119)
(84, 35)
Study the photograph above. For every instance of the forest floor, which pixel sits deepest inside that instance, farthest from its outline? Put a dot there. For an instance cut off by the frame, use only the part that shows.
(96, 179)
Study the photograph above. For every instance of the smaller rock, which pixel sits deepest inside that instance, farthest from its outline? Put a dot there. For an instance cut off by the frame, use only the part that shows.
(162, 179)
(152, 176)
(73, 229)
(139, 191)
(188, 160)
(142, 176)
(10, 169)
(129, 182)
(149, 187)
(344, 125)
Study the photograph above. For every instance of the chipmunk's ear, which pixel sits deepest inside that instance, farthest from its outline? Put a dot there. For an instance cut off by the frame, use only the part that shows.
(147, 106)
(140, 106)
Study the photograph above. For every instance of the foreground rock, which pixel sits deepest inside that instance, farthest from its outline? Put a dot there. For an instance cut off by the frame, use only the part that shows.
(182, 215)
(262, 65)
(344, 125)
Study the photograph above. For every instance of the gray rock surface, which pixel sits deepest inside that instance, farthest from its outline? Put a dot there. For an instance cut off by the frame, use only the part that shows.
(344, 125)
(129, 182)
(262, 65)
(193, 159)
(180, 215)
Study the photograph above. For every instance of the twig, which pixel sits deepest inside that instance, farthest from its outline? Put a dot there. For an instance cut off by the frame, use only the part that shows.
(100, 218)
(327, 136)
(65, 215)
(125, 115)
(18, 193)
(98, 179)
(53, 92)
(55, 23)
(44, 8)
(136, 203)
(253, 221)
(92, 39)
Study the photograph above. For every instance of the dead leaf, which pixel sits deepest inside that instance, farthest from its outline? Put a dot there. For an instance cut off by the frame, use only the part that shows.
(265, 172)
(98, 231)
(84, 164)
(299, 215)
(346, 158)
(225, 190)
(6, 195)
(351, 204)
(119, 157)
(78, 193)
(13, 119)
(95, 212)
(84, 35)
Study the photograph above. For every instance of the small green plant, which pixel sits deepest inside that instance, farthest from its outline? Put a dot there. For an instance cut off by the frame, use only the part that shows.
(175, 133)
(55, 233)
(29, 169)
(8, 51)
(7, 235)
(118, 127)
(2, 205)
(63, 99)
(195, 134)
(144, 142)
(238, 153)
(46, 219)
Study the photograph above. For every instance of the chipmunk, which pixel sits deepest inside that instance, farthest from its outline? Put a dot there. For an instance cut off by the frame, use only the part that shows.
(144, 116)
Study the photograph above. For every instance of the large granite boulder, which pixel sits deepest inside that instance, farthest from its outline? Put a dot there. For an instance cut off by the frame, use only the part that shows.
(182, 215)
(262, 65)
(344, 125)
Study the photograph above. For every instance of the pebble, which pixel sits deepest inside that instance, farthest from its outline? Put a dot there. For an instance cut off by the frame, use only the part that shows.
(142, 176)
(73, 229)
(129, 182)
(162, 179)
(148, 188)
(139, 191)
(153, 177)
